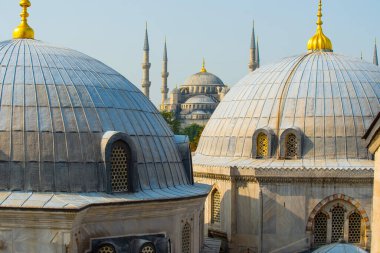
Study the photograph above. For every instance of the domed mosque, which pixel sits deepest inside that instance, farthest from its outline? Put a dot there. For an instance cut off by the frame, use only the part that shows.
(285, 155)
(197, 98)
(87, 164)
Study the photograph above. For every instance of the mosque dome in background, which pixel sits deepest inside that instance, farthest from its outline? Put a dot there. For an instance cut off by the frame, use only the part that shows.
(203, 78)
(58, 109)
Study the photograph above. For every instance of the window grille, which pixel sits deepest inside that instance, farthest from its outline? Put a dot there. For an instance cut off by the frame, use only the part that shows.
(320, 229)
(337, 224)
(262, 145)
(215, 207)
(119, 165)
(106, 249)
(186, 238)
(291, 146)
(354, 227)
(147, 249)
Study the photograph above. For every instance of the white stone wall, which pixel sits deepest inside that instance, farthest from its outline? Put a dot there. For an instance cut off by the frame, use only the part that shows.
(287, 206)
(62, 232)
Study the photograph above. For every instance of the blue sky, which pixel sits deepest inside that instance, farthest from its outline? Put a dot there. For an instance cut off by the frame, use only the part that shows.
(219, 30)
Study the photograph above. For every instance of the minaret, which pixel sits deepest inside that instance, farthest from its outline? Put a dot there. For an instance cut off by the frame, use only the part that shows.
(252, 51)
(375, 59)
(164, 75)
(23, 30)
(145, 83)
(257, 54)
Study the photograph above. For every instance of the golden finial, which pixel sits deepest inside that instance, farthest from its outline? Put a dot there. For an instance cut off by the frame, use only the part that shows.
(23, 30)
(203, 69)
(319, 41)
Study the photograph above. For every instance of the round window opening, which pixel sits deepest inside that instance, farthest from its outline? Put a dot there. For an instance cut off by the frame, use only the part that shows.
(106, 249)
(147, 249)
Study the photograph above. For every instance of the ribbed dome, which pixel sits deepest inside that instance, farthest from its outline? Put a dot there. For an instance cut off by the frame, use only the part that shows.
(56, 104)
(330, 98)
(203, 79)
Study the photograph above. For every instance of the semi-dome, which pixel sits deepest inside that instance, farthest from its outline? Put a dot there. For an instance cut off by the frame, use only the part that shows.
(327, 100)
(201, 99)
(59, 111)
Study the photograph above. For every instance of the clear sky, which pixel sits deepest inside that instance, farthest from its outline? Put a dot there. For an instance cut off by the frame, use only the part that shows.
(219, 30)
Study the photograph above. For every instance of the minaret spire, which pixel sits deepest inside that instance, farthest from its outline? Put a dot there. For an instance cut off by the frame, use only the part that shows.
(164, 75)
(145, 83)
(375, 58)
(252, 51)
(257, 53)
(23, 30)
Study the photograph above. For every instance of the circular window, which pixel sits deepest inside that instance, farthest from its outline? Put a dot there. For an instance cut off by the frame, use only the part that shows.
(147, 249)
(106, 249)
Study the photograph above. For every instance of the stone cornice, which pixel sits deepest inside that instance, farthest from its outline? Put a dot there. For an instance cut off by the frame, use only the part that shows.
(242, 180)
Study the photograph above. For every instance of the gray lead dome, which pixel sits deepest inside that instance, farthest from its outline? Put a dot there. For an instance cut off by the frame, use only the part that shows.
(57, 106)
(329, 98)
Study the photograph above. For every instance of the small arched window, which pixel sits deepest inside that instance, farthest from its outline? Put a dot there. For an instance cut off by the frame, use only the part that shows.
(291, 146)
(262, 145)
(320, 229)
(186, 238)
(215, 206)
(120, 163)
(354, 227)
(337, 226)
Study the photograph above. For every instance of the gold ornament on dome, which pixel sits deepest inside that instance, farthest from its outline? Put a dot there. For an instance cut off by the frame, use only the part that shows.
(23, 30)
(203, 69)
(319, 41)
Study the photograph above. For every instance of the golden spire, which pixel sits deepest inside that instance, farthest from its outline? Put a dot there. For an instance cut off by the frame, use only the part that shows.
(203, 69)
(319, 41)
(23, 30)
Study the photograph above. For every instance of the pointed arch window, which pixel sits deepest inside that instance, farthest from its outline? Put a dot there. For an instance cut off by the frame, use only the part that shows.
(186, 238)
(215, 207)
(337, 226)
(354, 227)
(120, 163)
(320, 229)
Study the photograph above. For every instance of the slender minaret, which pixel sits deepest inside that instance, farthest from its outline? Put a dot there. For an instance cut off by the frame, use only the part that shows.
(257, 54)
(252, 51)
(145, 83)
(375, 59)
(164, 75)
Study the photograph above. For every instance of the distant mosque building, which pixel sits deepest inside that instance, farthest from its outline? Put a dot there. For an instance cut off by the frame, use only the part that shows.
(197, 98)
(285, 155)
(87, 163)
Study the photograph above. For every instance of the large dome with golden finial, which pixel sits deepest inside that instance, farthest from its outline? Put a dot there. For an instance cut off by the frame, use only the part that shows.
(309, 110)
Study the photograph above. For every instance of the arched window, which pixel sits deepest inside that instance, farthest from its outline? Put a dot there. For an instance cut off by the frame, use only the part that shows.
(320, 229)
(186, 238)
(291, 146)
(337, 225)
(215, 206)
(120, 162)
(354, 227)
(262, 145)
